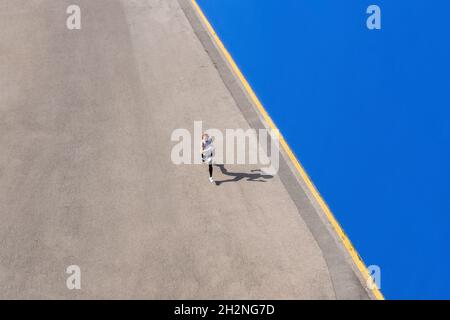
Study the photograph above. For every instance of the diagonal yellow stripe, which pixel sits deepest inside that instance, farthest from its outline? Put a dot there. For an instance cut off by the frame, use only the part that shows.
(338, 229)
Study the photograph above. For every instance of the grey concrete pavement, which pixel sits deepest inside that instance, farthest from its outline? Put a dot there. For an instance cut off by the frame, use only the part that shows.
(86, 176)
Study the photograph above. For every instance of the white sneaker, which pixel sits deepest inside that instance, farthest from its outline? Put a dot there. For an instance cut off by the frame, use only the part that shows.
(211, 179)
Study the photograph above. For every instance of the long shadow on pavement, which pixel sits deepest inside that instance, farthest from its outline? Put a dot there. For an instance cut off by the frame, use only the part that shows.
(237, 176)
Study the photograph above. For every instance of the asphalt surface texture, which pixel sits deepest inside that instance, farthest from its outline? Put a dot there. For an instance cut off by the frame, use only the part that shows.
(86, 176)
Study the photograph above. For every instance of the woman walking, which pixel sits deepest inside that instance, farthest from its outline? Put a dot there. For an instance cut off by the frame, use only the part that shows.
(208, 153)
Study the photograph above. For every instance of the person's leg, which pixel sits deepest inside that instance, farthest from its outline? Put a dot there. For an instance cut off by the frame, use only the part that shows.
(210, 170)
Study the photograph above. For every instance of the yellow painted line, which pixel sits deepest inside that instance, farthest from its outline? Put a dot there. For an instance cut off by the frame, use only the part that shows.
(347, 243)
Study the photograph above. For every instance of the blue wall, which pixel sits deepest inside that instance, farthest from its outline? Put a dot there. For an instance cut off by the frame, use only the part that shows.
(368, 115)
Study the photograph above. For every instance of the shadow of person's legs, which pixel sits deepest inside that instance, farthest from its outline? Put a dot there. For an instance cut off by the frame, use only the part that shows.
(237, 176)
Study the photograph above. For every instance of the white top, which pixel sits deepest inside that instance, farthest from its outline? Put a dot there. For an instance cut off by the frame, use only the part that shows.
(208, 150)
